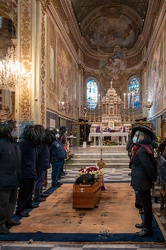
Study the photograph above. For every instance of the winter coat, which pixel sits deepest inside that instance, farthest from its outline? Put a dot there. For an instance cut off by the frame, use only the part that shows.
(29, 158)
(10, 160)
(143, 172)
(43, 157)
(57, 152)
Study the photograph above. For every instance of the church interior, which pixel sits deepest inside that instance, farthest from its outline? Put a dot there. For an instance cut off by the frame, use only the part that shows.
(83, 61)
(84, 64)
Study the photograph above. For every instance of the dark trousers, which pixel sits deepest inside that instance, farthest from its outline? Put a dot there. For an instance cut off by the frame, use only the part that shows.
(56, 169)
(38, 189)
(25, 193)
(7, 204)
(145, 197)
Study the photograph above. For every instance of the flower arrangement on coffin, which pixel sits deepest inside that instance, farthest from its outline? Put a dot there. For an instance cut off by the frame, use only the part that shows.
(109, 143)
(89, 175)
(69, 157)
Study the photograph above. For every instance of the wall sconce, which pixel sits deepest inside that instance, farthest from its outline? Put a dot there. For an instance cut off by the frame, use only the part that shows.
(61, 105)
(149, 104)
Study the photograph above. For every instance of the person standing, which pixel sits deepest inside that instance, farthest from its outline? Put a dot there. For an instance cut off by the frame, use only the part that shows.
(57, 156)
(122, 129)
(107, 129)
(29, 159)
(143, 175)
(162, 145)
(62, 138)
(10, 160)
(42, 165)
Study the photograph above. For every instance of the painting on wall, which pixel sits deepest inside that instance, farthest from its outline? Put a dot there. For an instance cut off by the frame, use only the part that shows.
(155, 89)
(51, 97)
(112, 31)
(65, 71)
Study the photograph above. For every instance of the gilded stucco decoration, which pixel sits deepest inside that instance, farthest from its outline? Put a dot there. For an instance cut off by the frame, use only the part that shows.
(45, 4)
(42, 70)
(25, 105)
(26, 55)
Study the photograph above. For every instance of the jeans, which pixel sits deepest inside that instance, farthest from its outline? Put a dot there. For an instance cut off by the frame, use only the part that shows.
(39, 183)
(56, 169)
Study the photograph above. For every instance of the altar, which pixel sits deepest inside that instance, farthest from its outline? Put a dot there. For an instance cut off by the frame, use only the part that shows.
(94, 136)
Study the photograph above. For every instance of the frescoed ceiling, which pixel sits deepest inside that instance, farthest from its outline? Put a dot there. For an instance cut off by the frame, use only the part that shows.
(109, 23)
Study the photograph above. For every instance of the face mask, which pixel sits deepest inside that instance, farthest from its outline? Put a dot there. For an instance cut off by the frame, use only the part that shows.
(14, 133)
(57, 136)
(135, 139)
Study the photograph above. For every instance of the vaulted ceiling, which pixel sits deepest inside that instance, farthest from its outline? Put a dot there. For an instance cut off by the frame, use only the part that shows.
(109, 23)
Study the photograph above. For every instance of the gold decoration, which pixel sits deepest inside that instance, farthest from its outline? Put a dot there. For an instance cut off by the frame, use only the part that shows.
(43, 72)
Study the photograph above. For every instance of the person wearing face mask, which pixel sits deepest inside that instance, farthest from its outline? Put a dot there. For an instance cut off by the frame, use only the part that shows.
(10, 160)
(143, 175)
(57, 156)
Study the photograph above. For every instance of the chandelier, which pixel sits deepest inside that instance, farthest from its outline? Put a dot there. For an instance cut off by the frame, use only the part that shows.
(12, 72)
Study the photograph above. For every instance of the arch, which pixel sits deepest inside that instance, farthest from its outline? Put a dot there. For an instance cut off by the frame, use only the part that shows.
(91, 93)
(133, 92)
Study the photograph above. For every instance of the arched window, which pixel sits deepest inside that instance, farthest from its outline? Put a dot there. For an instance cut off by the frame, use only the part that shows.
(133, 93)
(92, 93)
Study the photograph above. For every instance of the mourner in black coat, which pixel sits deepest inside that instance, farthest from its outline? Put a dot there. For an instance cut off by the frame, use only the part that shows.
(42, 166)
(10, 160)
(28, 145)
(143, 175)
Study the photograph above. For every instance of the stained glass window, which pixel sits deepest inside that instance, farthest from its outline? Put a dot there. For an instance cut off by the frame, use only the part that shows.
(92, 94)
(133, 93)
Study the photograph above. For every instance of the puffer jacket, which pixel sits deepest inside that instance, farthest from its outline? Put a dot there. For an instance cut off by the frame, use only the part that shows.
(43, 157)
(29, 158)
(57, 152)
(10, 160)
(143, 172)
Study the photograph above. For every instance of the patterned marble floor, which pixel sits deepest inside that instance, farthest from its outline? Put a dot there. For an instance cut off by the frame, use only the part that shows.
(110, 175)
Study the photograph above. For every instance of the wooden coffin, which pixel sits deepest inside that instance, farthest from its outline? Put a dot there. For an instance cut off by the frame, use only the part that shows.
(86, 196)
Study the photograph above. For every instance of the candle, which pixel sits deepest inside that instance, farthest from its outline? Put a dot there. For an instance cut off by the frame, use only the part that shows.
(124, 99)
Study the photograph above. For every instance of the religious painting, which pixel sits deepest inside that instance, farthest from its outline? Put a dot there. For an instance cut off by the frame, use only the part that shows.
(51, 66)
(155, 80)
(109, 32)
(64, 75)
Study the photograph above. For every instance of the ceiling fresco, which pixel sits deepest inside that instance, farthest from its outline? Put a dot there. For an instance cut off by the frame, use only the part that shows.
(107, 23)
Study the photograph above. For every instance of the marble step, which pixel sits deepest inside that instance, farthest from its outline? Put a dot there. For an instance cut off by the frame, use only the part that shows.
(113, 160)
(107, 164)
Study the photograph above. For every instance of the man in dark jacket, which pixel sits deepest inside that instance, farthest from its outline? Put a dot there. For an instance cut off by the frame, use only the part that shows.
(143, 175)
(57, 156)
(10, 160)
(42, 166)
(28, 145)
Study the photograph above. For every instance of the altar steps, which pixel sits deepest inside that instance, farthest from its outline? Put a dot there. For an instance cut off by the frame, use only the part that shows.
(113, 156)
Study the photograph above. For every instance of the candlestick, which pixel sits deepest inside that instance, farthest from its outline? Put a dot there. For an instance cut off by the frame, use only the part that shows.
(124, 99)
